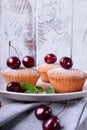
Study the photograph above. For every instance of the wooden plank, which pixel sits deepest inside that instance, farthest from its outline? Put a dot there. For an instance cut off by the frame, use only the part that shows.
(18, 27)
(80, 34)
(61, 28)
(54, 28)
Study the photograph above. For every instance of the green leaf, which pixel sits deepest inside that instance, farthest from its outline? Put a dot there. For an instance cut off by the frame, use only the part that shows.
(28, 87)
(30, 91)
(50, 90)
(39, 89)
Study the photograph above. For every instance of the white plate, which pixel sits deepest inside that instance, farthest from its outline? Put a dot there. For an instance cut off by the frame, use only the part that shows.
(41, 97)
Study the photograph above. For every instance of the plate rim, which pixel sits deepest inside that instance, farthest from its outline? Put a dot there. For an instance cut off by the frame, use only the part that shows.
(43, 94)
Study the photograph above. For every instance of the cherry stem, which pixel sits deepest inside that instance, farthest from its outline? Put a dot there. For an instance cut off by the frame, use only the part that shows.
(65, 102)
(10, 45)
(62, 109)
(0, 104)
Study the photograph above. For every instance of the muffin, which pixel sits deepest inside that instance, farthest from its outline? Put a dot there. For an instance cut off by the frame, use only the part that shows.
(21, 75)
(43, 69)
(66, 80)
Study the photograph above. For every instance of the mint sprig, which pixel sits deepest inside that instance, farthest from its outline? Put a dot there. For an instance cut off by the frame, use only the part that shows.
(29, 88)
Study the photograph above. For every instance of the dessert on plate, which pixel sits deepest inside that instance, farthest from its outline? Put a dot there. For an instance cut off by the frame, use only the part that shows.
(15, 73)
(29, 75)
(50, 60)
(43, 69)
(65, 79)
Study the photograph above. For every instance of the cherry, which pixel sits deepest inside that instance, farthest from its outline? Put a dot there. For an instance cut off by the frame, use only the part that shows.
(66, 62)
(50, 58)
(52, 123)
(28, 61)
(43, 112)
(13, 62)
(13, 87)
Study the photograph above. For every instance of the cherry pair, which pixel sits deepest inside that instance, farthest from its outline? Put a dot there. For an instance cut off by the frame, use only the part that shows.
(50, 122)
(14, 62)
(65, 62)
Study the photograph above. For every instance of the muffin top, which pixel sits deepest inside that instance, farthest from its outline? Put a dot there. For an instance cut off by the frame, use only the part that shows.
(46, 67)
(22, 71)
(66, 73)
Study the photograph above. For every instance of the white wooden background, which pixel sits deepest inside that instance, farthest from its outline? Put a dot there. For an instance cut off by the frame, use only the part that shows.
(61, 28)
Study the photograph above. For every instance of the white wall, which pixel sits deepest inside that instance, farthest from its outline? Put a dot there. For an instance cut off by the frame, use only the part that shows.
(61, 28)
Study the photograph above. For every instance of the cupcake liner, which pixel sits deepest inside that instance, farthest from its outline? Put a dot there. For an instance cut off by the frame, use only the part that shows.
(44, 77)
(67, 85)
(23, 75)
(28, 79)
(43, 69)
(64, 81)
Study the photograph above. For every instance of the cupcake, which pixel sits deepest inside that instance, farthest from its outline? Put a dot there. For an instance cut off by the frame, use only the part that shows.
(66, 80)
(43, 69)
(50, 60)
(21, 74)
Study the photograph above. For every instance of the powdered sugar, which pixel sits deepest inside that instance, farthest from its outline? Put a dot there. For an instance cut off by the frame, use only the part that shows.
(66, 72)
(20, 70)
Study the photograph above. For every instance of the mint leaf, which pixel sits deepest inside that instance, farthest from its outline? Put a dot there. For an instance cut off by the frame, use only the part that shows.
(50, 90)
(39, 89)
(29, 88)
(30, 91)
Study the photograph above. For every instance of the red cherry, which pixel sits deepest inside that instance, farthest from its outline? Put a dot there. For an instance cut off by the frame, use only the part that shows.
(28, 61)
(66, 62)
(51, 123)
(43, 112)
(13, 87)
(50, 58)
(13, 62)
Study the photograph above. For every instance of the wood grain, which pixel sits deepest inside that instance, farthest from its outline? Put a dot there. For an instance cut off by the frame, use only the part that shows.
(61, 28)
